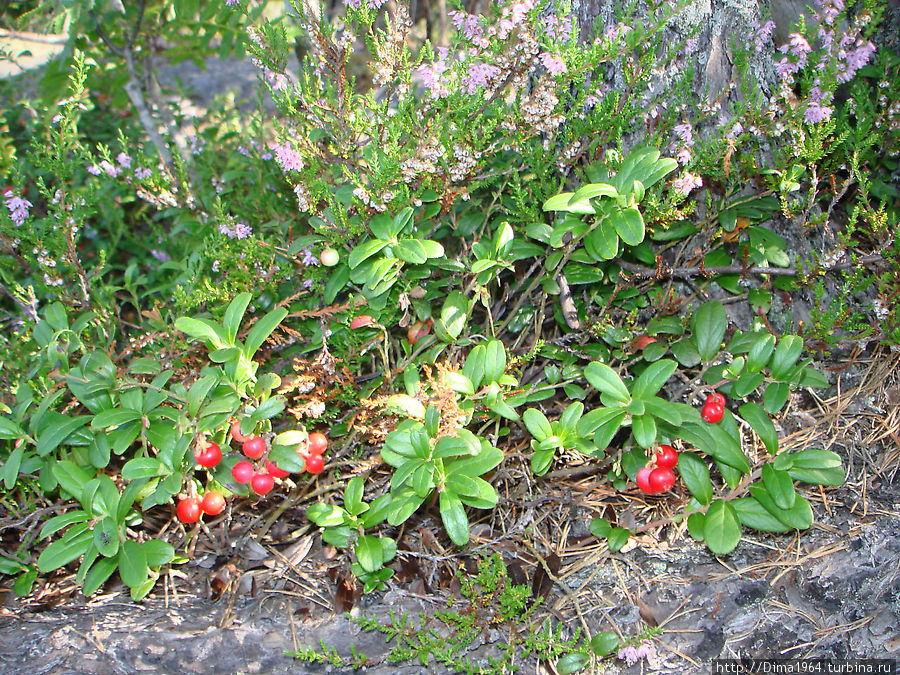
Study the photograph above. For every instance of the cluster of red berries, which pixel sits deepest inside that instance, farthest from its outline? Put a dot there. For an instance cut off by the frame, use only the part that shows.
(190, 509)
(208, 454)
(661, 478)
(255, 448)
(713, 408)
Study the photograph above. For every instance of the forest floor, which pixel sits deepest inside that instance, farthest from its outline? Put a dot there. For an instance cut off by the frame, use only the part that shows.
(256, 586)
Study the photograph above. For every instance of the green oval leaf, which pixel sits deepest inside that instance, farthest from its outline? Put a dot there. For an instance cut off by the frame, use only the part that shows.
(607, 381)
(708, 325)
(721, 528)
(695, 475)
(761, 423)
(454, 516)
(780, 486)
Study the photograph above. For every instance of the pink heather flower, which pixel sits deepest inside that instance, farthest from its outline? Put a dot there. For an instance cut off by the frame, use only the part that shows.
(632, 655)
(684, 155)
(232, 3)
(162, 256)
(735, 131)
(785, 68)
(690, 46)
(142, 174)
(123, 160)
(799, 45)
(242, 231)
(94, 170)
(309, 258)
(554, 64)
(478, 76)
(686, 182)
(763, 34)
(288, 158)
(467, 24)
(196, 144)
(685, 132)
(505, 28)
(860, 56)
(225, 230)
(431, 75)
(816, 113)
(520, 9)
(110, 169)
(17, 207)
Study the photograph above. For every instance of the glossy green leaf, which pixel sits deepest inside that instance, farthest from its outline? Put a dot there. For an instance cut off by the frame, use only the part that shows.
(817, 467)
(132, 564)
(696, 523)
(762, 424)
(695, 474)
(572, 663)
(537, 423)
(760, 352)
(786, 354)
(233, 316)
(605, 380)
(629, 225)
(604, 643)
(775, 396)
(798, 517)
(644, 429)
(708, 325)
(721, 528)
(653, 378)
(262, 329)
(780, 486)
(453, 514)
(754, 515)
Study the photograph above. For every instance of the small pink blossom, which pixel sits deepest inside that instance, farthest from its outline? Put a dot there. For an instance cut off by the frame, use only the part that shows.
(123, 160)
(110, 169)
(686, 182)
(142, 174)
(288, 158)
(479, 75)
(632, 655)
(432, 75)
(685, 132)
(799, 45)
(232, 3)
(684, 156)
(17, 207)
(763, 35)
(816, 113)
(554, 64)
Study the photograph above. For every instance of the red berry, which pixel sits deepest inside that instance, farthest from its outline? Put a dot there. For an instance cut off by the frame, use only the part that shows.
(315, 464)
(643, 479)
(272, 468)
(236, 432)
(209, 456)
(317, 443)
(213, 503)
(261, 483)
(667, 457)
(254, 447)
(712, 413)
(716, 398)
(188, 510)
(661, 480)
(242, 472)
